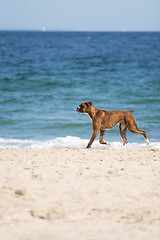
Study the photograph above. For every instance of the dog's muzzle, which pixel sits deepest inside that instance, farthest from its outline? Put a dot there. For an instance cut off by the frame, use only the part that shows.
(79, 109)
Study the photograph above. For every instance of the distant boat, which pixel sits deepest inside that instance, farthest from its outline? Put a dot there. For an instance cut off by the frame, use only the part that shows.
(43, 29)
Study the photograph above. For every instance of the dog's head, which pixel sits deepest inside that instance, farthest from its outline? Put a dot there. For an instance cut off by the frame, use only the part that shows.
(84, 107)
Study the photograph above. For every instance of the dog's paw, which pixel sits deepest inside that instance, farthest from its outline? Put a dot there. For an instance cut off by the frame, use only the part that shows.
(88, 147)
(103, 142)
(147, 141)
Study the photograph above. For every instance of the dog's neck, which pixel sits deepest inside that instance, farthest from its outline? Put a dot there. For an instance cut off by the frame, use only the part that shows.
(92, 112)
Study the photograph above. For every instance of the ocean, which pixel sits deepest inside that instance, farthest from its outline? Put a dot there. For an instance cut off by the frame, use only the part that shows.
(44, 76)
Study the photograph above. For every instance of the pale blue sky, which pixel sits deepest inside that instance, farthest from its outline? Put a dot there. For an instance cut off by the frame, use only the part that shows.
(92, 15)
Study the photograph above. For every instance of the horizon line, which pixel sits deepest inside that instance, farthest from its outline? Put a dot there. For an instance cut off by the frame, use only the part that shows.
(57, 30)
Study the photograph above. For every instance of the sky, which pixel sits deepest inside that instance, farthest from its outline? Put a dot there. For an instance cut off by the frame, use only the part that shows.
(80, 15)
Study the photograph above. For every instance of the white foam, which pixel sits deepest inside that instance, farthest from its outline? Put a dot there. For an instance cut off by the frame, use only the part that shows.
(69, 142)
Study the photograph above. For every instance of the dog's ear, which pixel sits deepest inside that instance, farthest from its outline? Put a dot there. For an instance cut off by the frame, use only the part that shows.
(89, 104)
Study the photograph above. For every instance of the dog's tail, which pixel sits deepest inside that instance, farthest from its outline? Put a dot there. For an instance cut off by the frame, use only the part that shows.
(131, 111)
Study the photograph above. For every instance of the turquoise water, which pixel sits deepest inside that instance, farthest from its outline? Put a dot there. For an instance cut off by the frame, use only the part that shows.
(44, 76)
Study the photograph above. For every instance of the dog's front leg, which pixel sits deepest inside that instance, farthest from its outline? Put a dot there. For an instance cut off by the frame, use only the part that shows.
(102, 133)
(94, 135)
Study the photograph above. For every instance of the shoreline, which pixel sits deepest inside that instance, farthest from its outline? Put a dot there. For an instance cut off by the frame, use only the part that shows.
(73, 142)
(79, 194)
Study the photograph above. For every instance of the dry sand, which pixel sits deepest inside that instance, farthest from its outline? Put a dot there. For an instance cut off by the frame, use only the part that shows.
(80, 194)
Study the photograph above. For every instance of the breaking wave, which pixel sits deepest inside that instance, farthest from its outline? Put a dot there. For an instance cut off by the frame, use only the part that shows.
(70, 142)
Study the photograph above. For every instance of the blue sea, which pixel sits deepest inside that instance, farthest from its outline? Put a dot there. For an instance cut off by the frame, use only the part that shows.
(44, 76)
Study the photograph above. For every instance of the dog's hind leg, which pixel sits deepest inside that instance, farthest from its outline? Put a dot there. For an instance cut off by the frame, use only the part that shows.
(132, 126)
(102, 133)
(123, 128)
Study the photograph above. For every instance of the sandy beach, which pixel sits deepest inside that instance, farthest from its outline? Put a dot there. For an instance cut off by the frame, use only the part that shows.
(80, 194)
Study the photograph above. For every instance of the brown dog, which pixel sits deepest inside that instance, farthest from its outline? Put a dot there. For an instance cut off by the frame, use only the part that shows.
(103, 120)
